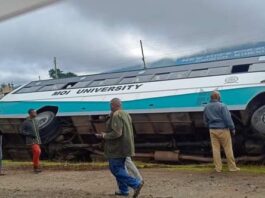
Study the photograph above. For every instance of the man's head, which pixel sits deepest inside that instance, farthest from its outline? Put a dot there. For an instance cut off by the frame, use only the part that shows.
(32, 113)
(115, 104)
(215, 95)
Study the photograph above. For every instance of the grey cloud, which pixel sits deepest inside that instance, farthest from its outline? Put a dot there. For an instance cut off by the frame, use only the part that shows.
(186, 22)
(90, 36)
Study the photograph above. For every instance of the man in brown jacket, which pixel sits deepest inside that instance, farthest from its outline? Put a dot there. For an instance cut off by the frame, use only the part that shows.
(119, 144)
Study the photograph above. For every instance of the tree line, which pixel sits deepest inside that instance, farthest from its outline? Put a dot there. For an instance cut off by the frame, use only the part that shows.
(60, 74)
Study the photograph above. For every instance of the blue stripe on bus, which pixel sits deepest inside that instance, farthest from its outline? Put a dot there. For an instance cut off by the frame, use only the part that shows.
(231, 97)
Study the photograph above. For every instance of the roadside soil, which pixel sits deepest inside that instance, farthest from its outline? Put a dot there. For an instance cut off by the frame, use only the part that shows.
(159, 182)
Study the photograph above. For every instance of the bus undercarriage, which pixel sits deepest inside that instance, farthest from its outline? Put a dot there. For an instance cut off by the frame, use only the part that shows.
(158, 136)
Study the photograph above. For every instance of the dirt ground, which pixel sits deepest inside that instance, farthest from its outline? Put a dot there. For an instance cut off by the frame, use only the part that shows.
(158, 183)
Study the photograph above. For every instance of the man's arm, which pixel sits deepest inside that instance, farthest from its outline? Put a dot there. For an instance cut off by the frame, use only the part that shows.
(116, 128)
(205, 118)
(227, 118)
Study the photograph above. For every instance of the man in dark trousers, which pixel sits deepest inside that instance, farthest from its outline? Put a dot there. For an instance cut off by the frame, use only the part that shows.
(119, 144)
(218, 119)
(30, 129)
(1, 154)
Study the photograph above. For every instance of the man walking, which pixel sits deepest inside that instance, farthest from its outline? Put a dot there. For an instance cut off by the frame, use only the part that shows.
(218, 119)
(119, 144)
(30, 129)
(132, 171)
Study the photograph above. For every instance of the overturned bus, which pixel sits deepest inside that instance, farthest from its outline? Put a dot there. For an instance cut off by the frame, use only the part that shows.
(166, 105)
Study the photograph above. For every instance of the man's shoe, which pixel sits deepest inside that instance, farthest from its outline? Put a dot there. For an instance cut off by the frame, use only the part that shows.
(138, 190)
(235, 170)
(121, 194)
(2, 174)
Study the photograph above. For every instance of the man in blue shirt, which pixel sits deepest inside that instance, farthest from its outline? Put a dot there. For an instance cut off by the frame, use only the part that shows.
(218, 119)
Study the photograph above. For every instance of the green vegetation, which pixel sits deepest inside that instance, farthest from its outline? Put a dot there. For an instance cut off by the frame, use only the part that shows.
(56, 165)
(257, 169)
(203, 168)
(60, 74)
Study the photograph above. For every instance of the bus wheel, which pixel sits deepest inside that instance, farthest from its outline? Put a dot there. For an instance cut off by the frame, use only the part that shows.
(258, 120)
(49, 126)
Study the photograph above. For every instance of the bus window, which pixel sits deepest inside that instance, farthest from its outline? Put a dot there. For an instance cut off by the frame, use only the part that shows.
(69, 85)
(218, 71)
(240, 68)
(136, 79)
(257, 67)
(82, 84)
(145, 78)
(198, 73)
(97, 83)
(37, 83)
(28, 89)
(162, 76)
(111, 81)
(52, 87)
(180, 74)
(126, 80)
(83, 78)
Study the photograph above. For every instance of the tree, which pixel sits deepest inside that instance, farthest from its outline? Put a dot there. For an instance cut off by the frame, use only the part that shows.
(60, 74)
(3, 85)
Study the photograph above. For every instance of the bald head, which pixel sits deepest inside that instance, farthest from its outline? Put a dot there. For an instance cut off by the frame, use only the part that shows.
(215, 95)
(115, 104)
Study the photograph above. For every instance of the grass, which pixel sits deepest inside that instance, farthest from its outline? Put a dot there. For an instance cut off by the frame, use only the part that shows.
(50, 165)
(203, 168)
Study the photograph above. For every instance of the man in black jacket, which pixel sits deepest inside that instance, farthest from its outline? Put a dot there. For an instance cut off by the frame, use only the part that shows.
(30, 128)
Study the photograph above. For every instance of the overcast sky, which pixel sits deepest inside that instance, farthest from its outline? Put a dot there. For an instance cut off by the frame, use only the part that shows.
(90, 36)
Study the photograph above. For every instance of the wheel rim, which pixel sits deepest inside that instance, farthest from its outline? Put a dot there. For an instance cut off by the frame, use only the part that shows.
(258, 120)
(44, 118)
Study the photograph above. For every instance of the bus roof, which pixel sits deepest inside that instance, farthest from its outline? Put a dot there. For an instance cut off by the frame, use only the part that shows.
(127, 77)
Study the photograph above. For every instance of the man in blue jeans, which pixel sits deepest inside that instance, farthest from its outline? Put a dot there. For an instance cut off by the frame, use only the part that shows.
(119, 144)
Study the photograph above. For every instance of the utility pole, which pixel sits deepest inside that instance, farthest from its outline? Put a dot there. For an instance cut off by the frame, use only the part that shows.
(55, 68)
(143, 53)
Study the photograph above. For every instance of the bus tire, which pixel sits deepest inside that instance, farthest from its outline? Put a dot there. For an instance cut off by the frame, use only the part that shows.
(49, 126)
(258, 120)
